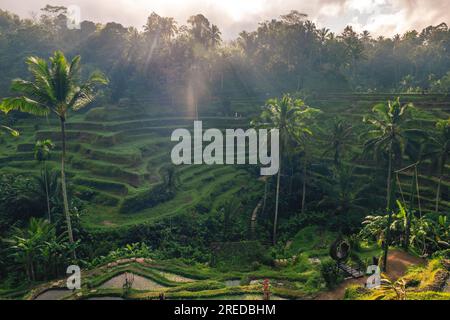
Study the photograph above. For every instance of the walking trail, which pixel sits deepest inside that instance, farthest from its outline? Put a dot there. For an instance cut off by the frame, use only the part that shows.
(398, 263)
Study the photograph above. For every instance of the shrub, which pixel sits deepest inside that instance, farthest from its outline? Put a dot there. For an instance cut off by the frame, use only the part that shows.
(330, 273)
(200, 286)
(239, 255)
(147, 199)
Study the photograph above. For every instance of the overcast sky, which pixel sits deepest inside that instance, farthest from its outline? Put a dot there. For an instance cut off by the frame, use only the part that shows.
(386, 17)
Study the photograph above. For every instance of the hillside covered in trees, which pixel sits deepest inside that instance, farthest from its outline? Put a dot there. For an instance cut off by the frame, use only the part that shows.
(86, 176)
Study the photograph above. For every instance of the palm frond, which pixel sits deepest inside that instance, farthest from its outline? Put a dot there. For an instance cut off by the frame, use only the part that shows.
(24, 104)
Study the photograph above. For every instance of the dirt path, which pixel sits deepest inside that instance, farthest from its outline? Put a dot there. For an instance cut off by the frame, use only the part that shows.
(398, 263)
(339, 292)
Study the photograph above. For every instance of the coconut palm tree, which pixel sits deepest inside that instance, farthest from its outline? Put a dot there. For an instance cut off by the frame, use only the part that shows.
(288, 115)
(42, 152)
(214, 36)
(388, 139)
(438, 150)
(164, 28)
(338, 138)
(56, 88)
(343, 192)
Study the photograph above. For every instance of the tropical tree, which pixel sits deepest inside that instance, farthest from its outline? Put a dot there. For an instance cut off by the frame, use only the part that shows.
(343, 192)
(438, 150)
(42, 152)
(338, 139)
(397, 287)
(158, 27)
(229, 210)
(387, 138)
(302, 135)
(214, 36)
(200, 29)
(56, 88)
(288, 115)
(25, 244)
(415, 152)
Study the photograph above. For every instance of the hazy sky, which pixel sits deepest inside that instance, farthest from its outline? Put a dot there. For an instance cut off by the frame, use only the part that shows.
(385, 17)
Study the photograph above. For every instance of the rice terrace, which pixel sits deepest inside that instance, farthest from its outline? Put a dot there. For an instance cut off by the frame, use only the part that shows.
(315, 164)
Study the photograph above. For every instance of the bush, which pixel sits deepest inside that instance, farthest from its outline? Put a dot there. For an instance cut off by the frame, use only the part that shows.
(330, 273)
(147, 199)
(239, 255)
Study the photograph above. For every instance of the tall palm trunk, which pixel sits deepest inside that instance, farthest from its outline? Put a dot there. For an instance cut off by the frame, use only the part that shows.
(304, 187)
(265, 195)
(276, 207)
(46, 192)
(438, 191)
(410, 211)
(63, 183)
(388, 208)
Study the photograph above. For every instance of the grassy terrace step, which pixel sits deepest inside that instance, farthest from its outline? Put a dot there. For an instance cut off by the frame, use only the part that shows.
(184, 199)
(80, 136)
(95, 196)
(104, 185)
(107, 170)
(142, 122)
(94, 153)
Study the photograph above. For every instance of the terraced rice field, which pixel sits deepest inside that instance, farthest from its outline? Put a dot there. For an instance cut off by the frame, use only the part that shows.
(116, 158)
(151, 279)
(111, 161)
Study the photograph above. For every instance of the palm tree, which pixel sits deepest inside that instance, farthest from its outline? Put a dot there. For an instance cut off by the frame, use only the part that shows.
(200, 29)
(42, 151)
(214, 36)
(323, 35)
(26, 244)
(398, 288)
(56, 88)
(168, 28)
(343, 192)
(302, 136)
(229, 210)
(365, 36)
(388, 138)
(160, 27)
(414, 151)
(438, 150)
(287, 115)
(338, 138)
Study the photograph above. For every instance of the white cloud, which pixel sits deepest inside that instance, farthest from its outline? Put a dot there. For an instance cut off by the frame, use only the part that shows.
(364, 6)
(331, 9)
